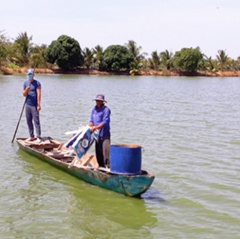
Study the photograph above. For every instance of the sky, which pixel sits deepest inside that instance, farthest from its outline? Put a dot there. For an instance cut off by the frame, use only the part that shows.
(154, 25)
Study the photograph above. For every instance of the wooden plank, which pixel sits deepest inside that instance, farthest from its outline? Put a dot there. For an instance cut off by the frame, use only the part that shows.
(88, 159)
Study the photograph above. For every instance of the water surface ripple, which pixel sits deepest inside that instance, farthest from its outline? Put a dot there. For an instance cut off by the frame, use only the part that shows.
(189, 129)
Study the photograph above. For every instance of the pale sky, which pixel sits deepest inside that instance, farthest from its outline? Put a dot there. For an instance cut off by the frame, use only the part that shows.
(155, 25)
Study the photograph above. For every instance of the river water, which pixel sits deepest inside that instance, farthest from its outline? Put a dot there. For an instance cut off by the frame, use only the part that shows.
(189, 129)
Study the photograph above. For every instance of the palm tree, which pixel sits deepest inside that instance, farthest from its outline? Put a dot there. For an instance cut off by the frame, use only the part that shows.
(138, 57)
(134, 50)
(222, 58)
(88, 57)
(23, 48)
(98, 56)
(155, 60)
(209, 64)
(166, 59)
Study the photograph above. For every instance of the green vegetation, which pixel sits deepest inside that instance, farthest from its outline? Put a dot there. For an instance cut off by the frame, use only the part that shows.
(187, 60)
(66, 54)
(117, 58)
(4, 48)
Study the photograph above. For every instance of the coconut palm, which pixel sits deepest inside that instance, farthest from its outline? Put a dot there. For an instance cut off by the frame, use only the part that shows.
(154, 61)
(98, 56)
(222, 59)
(138, 57)
(88, 57)
(166, 59)
(208, 64)
(23, 46)
(134, 50)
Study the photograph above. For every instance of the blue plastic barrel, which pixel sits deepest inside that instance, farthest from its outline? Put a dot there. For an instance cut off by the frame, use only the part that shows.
(125, 158)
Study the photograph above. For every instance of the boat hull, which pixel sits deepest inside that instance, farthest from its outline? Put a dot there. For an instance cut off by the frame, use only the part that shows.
(129, 185)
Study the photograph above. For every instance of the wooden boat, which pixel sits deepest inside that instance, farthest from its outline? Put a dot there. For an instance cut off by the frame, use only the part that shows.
(53, 152)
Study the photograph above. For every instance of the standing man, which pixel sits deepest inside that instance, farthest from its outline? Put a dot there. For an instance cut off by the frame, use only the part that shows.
(32, 90)
(100, 119)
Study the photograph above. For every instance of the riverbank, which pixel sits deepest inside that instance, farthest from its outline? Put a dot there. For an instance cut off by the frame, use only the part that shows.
(23, 70)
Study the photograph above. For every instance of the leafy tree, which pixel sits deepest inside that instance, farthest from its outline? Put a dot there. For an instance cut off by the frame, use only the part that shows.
(222, 59)
(53, 51)
(65, 52)
(88, 57)
(188, 59)
(4, 45)
(38, 57)
(116, 58)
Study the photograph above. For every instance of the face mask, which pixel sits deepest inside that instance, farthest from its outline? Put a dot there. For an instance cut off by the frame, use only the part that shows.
(30, 77)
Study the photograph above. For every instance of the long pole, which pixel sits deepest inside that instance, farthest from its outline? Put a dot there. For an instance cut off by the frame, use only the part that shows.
(19, 120)
(21, 113)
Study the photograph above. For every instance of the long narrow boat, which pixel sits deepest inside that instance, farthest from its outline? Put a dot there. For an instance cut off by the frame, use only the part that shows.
(53, 152)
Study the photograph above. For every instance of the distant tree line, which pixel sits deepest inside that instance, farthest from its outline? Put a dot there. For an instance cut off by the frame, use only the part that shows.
(65, 53)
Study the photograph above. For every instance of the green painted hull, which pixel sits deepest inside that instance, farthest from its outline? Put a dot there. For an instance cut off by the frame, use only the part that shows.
(129, 185)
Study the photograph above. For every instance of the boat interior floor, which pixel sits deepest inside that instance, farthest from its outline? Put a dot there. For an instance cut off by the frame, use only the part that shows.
(56, 150)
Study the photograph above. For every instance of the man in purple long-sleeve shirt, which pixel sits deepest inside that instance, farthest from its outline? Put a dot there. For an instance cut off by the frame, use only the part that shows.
(100, 119)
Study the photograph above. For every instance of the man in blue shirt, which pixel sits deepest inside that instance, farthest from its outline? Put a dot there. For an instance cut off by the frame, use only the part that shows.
(100, 119)
(32, 90)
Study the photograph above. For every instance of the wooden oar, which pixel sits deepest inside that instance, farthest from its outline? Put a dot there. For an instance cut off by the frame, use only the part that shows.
(19, 120)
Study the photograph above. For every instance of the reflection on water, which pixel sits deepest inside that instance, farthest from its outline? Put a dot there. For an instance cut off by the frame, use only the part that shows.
(153, 196)
(77, 201)
(189, 129)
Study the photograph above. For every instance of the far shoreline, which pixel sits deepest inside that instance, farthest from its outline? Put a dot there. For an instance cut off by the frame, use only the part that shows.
(23, 70)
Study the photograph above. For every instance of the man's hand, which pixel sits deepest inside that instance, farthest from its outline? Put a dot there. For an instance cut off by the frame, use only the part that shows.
(93, 128)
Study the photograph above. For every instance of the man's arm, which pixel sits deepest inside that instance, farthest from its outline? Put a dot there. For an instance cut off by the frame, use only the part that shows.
(39, 98)
(26, 90)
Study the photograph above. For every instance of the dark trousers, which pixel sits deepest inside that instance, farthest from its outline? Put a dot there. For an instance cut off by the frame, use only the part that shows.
(102, 149)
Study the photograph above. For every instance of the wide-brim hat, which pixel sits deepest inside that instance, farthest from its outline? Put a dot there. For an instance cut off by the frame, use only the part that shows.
(100, 97)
